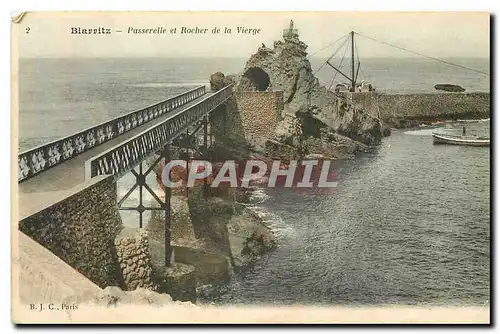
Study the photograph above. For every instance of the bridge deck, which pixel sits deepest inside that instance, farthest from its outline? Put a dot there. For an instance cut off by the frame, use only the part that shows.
(51, 184)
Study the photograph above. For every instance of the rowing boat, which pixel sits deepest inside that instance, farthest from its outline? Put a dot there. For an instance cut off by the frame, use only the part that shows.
(440, 138)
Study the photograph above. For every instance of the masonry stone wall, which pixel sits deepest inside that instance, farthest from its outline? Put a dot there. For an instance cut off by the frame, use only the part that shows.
(367, 101)
(81, 229)
(260, 113)
(400, 109)
(132, 249)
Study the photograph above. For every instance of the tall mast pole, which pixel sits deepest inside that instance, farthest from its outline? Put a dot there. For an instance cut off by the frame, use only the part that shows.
(353, 80)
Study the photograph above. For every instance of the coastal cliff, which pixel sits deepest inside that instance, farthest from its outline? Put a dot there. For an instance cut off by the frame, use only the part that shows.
(289, 70)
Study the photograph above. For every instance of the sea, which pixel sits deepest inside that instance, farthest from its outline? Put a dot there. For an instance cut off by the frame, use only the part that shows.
(409, 222)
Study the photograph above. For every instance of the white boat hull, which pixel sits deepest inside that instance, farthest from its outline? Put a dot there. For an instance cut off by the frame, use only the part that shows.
(459, 140)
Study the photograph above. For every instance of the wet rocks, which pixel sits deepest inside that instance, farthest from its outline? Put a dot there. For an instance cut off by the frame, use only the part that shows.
(249, 238)
(298, 137)
(225, 226)
(449, 88)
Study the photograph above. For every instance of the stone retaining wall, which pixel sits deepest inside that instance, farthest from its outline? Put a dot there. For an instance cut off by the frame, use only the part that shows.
(81, 228)
(260, 113)
(397, 109)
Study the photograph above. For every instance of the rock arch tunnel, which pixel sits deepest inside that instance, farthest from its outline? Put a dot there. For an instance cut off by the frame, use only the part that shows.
(257, 78)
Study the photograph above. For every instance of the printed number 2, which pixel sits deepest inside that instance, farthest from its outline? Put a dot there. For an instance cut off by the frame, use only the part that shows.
(27, 30)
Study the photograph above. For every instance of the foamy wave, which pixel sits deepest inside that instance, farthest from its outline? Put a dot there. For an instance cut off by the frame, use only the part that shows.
(280, 229)
(274, 222)
(258, 196)
(424, 132)
(482, 120)
(260, 212)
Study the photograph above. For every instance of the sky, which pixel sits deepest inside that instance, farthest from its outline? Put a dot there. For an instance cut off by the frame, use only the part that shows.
(438, 34)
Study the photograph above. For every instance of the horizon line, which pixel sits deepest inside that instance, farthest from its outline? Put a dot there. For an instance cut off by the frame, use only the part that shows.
(229, 57)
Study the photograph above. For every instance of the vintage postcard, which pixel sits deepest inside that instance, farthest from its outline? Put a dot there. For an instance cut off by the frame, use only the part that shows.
(251, 167)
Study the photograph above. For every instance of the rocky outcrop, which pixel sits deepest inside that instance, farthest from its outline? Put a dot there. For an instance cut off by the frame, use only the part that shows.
(249, 238)
(287, 68)
(218, 81)
(213, 234)
(312, 119)
(229, 228)
(226, 123)
(299, 137)
(449, 88)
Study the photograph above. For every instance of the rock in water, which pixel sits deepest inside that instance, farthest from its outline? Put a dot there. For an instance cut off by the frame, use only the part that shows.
(286, 68)
(449, 88)
(219, 81)
(216, 81)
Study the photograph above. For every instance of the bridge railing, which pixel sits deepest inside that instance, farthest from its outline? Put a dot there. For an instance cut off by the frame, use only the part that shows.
(123, 157)
(41, 158)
